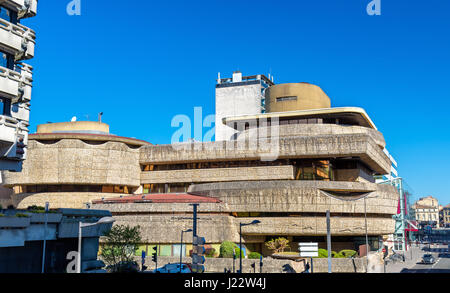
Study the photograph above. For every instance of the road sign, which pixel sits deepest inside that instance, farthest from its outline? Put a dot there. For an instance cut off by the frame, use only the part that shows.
(383, 250)
(198, 240)
(196, 268)
(308, 249)
(198, 259)
(198, 250)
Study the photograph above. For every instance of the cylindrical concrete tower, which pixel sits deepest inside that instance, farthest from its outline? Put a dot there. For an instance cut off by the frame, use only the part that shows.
(295, 96)
(17, 43)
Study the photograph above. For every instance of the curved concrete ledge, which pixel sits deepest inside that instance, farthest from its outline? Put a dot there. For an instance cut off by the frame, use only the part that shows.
(295, 130)
(69, 200)
(87, 137)
(320, 146)
(316, 226)
(301, 196)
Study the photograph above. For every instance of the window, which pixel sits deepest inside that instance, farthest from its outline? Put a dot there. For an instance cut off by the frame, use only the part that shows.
(8, 15)
(288, 98)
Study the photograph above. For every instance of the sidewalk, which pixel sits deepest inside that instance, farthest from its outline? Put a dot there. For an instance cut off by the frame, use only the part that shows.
(397, 267)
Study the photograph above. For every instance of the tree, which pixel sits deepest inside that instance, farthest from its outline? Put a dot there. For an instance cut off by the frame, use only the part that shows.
(120, 244)
(277, 245)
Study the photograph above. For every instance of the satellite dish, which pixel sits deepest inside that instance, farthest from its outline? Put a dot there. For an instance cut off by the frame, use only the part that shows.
(74, 118)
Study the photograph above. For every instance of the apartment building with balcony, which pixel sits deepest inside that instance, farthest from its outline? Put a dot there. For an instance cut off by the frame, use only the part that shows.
(17, 45)
(285, 167)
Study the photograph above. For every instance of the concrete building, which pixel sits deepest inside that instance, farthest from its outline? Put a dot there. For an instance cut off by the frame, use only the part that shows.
(17, 44)
(285, 169)
(22, 235)
(426, 210)
(238, 96)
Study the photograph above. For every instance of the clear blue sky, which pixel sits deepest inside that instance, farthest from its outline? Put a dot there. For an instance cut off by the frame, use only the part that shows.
(143, 62)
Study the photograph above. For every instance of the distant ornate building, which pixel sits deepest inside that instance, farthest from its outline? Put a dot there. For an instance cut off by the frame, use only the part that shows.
(445, 215)
(285, 169)
(426, 210)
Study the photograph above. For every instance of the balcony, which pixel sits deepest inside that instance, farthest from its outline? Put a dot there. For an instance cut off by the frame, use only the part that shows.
(24, 8)
(16, 85)
(17, 40)
(11, 132)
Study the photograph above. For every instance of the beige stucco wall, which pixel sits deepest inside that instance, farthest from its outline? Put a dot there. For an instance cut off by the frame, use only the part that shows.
(309, 96)
(219, 174)
(72, 161)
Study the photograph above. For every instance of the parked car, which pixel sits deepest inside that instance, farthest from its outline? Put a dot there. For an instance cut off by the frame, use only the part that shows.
(428, 259)
(395, 257)
(123, 267)
(174, 268)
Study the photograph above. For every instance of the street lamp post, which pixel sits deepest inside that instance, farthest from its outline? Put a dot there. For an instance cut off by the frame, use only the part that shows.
(240, 241)
(181, 247)
(104, 220)
(45, 237)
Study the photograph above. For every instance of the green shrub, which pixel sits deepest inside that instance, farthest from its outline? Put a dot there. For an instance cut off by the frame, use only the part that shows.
(323, 253)
(210, 252)
(348, 253)
(226, 250)
(35, 208)
(19, 215)
(237, 251)
(336, 255)
(2, 215)
(254, 255)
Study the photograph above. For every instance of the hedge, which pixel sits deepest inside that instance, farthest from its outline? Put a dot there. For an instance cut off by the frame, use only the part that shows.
(254, 255)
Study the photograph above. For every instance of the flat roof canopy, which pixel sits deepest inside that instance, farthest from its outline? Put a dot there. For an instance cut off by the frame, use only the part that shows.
(354, 114)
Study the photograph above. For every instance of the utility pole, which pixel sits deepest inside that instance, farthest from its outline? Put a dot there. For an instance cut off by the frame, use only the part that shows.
(329, 241)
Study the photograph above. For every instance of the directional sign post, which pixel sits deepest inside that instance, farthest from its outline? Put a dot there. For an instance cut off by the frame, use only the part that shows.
(309, 249)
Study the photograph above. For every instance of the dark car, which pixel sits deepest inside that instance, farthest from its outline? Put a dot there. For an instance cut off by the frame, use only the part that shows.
(123, 267)
(174, 268)
(428, 259)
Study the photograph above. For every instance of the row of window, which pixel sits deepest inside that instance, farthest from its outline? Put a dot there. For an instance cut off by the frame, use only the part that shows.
(6, 59)
(8, 15)
(165, 188)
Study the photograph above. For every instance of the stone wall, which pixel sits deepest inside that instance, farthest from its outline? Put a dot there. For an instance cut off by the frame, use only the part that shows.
(270, 265)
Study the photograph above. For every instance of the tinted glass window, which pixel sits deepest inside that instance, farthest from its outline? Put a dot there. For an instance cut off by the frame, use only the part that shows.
(8, 15)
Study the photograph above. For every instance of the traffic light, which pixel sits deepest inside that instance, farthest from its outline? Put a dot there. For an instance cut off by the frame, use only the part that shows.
(155, 254)
(20, 146)
(198, 251)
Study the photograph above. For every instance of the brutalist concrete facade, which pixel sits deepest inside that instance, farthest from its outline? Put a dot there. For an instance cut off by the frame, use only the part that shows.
(286, 175)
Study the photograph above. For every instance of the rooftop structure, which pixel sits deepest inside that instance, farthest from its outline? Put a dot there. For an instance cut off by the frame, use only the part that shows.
(17, 44)
(239, 95)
